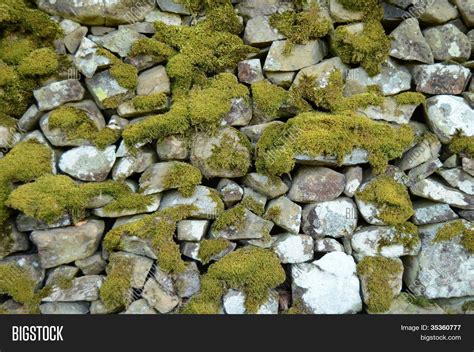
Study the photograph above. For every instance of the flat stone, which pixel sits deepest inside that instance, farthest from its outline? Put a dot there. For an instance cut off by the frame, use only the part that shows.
(88, 58)
(301, 56)
(326, 245)
(139, 267)
(459, 179)
(230, 191)
(447, 42)
(58, 93)
(28, 263)
(74, 39)
(93, 265)
(321, 72)
(258, 32)
(172, 148)
(132, 164)
(441, 78)
(271, 187)
(250, 71)
(424, 170)
(438, 192)
(192, 230)
(234, 303)
(191, 250)
(402, 304)
(29, 120)
(293, 249)
(153, 81)
(428, 212)
(104, 87)
(12, 240)
(435, 11)
(340, 14)
(253, 8)
(240, 113)
(389, 111)
(119, 41)
(409, 44)
(84, 288)
(188, 283)
(158, 298)
(140, 306)
(168, 18)
(173, 7)
(426, 150)
(466, 10)
(288, 214)
(65, 308)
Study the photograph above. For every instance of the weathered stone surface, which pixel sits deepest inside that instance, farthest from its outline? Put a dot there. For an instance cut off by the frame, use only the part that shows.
(441, 79)
(259, 32)
(119, 41)
(191, 250)
(154, 80)
(67, 244)
(88, 58)
(192, 230)
(409, 44)
(58, 93)
(65, 308)
(435, 190)
(327, 286)
(253, 8)
(136, 163)
(25, 223)
(172, 148)
(402, 304)
(254, 227)
(459, 179)
(84, 288)
(442, 269)
(447, 42)
(389, 111)
(354, 175)
(104, 88)
(158, 298)
(271, 187)
(188, 282)
(427, 212)
(140, 306)
(316, 184)
(240, 113)
(340, 14)
(234, 303)
(293, 249)
(321, 72)
(286, 214)
(435, 12)
(74, 39)
(428, 149)
(93, 265)
(466, 10)
(12, 240)
(139, 267)
(424, 170)
(153, 180)
(326, 245)
(301, 56)
(250, 71)
(230, 191)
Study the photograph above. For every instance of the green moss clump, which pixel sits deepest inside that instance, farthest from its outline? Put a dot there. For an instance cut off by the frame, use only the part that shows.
(456, 229)
(234, 217)
(158, 228)
(462, 144)
(369, 48)
(208, 249)
(406, 235)
(184, 177)
(251, 204)
(115, 292)
(147, 46)
(370, 8)
(77, 125)
(226, 156)
(202, 110)
(17, 283)
(50, 197)
(40, 62)
(419, 301)
(410, 98)
(253, 270)
(7, 74)
(301, 27)
(391, 199)
(273, 213)
(126, 75)
(223, 19)
(377, 272)
(316, 134)
(468, 306)
(149, 102)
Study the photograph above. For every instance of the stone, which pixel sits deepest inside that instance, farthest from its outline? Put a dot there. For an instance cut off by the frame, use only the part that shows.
(301, 56)
(316, 184)
(234, 303)
(250, 71)
(88, 58)
(459, 179)
(240, 113)
(61, 275)
(326, 245)
(426, 150)
(29, 263)
(447, 42)
(340, 14)
(466, 10)
(68, 26)
(328, 285)
(206, 201)
(424, 170)
(336, 218)
(67, 244)
(386, 241)
(154, 179)
(435, 12)
(402, 304)
(428, 212)
(173, 7)
(119, 41)
(127, 109)
(321, 72)
(93, 265)
(58, 93)
(192, 230)
(282, 79)
(441, 78)
(191, 250)
(105, 89)
(409, 44)
(139, 307)
(65, 308)
(153, 81)
(389, 111)
(98, 307)
(254, 201)
(392, 79)
(29, 120)
(254, 132)
(74, 39)
(88, 163)
(12, 240)
(258, 32)
(132, 164)
(230, 191)
(438, 192)
(354, 175)
(84, 288)
(139, 267)
(293, 249)
(169, 18)
(357, 156)
(447, 114)
(285, 214)
(188, 283)
(25, 223)
(441, 269)
(158, 298)
(172, 148)
(254, 227)
(271, 187)
(203, 147)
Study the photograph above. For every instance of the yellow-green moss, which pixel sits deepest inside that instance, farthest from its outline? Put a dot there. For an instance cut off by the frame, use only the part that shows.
(126, 75)
(377, 272)
(253, 270)
(208, 249)
(115, 292)
(159, 229)
(149, 102)
(369, 48)
(234, 217)
(147, 46)
(370, 8)
(462, 144)
(410, 98)
(301, 27)
(251, 204)
(228, 156)
(391, 199)
(406, 235)
(456, 229)
(7, 74)
(223, 19)
(40, 62)
(468, 306)
(50, 197)
(184, 177)
(316, 134)
(419, 301)
(273, 213)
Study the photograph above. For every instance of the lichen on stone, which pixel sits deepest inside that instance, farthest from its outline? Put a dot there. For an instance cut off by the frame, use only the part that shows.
(456, 229)
(251, 204)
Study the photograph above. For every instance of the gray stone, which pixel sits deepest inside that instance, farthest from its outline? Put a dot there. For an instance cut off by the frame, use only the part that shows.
(234, 303)
(409, 44)
(88, 58)
(154, 179)
(336, 218)
(74, 39)
(172, 148)
(139, 267)
(285, 214)
(447, 42)
(321, 72)
(442, 269)
(230, 192)
(188, 283)
(441, 78)
(192, 230)
(426, 150)
(340, 14)
(140, 307)
(136, 163)
(128, 109)
(282, 79)
(316, 184)
(253, 8)
(152, 81)
(353, 176)
(435, 11)
(459, 179)
(402, 304)
(427, 212)
(328, 285)
(58, 93)
(467, 11)
(326, 245)
(389, 111)
(254, 201)
(240, 113)
(119, 41)
(250, 71)
(168, 18)
(29, 120)
(84, 288)
(301, 56)
(65, 308)
(92, 265)
(27, 263)
(438, 192)
(104, 87)
(61, 274)
(173, 7)
(357, 156)
(424, 170)
(67, 244)
(88, 163)
(12, 240)
(191, 250)
(259, 32)
(293, 249)
(158, 298)
(271, 187)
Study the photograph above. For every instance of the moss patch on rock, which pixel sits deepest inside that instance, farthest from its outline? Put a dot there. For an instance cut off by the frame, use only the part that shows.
(116, 292)
(462, 144)
(149, 102)
(208, 249)
(253, 270)
(184, 177)
(406, 235)
(456, 229)
(232, 217)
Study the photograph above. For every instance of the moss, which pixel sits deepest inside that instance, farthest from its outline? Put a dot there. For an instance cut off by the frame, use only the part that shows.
(147, 46)
(228, 156)
(251, 204)
(391, 199)
(370, 8)
(298, 307)
(40, 62)
(50, 197)
(406, 235)
(234, 217)
(159, 229)
(273, 213)
(24, 163)
(17, 283)
(462, 144)
(223, 19)
(369, 47)
(456, 229)
(301, 27)
(208, 249)
(377, 272)
(468, 306)
(126, 75)
(14, 49)
(202, 110)
(410, 98)
(7, 121)
(149, 102)
(184, 177)
(115, 292)
(106, 137)
(253, 270)
(316, 134)
(7, 74)
(418, 301)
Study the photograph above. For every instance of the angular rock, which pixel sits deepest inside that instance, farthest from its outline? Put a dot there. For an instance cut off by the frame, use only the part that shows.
(447, 42)
(285, 213)
(84, 288)
(459, 179)
(254, 227)
(250, 71)
(158, 298)
(326, 245)
(441, 79)
(88, 58)
(119, 41)
(435, 11)
(93, 265)
(293, 249)
(340, 14)
(426, 150)
(139, 267)
(466, 10)
(137, 163)
(271, 187)
(172, 148)
(74, 39)
(301, 56)
(154, 80)
(140, 307)
(58, 93)
(12, 240)
(427, 212)
(234, 303)
(25, 223)
(188, 283)
(409, 44)
(240, 113)
(191, 250)
(424, 170)
(353, 176)
(192, 230)
(106, 91)
(65, 308)
(438, 192)
(230, 192)
(258, 32)
(389, 111)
